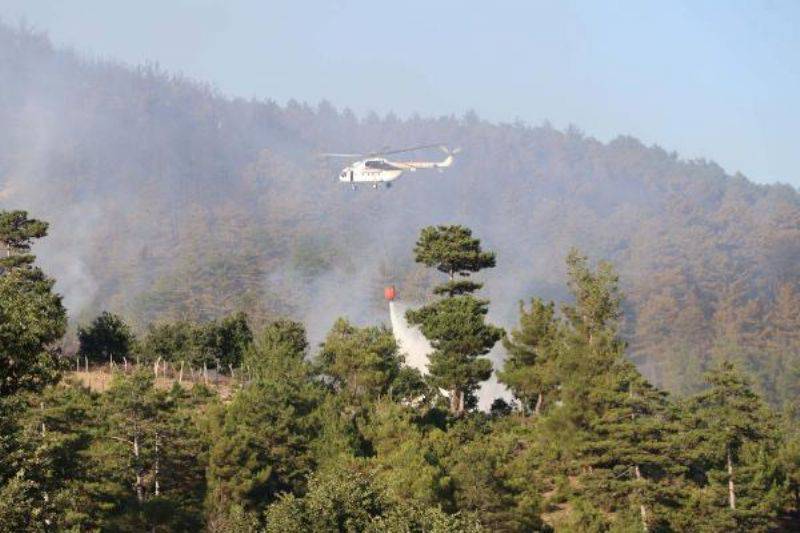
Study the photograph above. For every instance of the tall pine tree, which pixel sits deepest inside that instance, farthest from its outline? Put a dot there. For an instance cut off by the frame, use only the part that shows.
(456, 323)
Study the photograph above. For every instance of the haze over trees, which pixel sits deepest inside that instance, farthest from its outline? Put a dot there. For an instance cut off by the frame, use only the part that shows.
(707, 261)
(149, 178)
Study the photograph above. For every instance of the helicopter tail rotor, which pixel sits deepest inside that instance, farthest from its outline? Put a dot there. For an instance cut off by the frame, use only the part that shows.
(448, 151)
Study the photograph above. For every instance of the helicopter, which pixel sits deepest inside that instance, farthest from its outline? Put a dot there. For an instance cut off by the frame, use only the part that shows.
(374, 168)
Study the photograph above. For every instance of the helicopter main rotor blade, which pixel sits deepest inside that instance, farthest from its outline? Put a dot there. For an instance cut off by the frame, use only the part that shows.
(411, 149)
(385, 152)
(344, 155)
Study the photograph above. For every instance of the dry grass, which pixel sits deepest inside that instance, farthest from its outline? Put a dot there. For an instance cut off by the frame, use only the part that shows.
(99, 379)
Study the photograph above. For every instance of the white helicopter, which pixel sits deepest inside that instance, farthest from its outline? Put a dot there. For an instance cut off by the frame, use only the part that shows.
(375, 169)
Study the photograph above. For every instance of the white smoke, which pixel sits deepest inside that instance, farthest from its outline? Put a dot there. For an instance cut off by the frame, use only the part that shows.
(417, 348)
(410, 339)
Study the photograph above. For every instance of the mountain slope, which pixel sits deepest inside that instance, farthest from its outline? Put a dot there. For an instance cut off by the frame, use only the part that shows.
(169, 200)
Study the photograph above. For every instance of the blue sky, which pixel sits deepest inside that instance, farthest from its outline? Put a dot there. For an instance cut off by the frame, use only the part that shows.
(714, 79)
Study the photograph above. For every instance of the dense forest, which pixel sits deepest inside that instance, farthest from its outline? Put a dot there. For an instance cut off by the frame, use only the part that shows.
(344, 437)
(170, 201)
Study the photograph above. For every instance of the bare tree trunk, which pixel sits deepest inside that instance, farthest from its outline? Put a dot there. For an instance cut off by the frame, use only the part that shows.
(86, 363)
(642, 508)
(180, 375)
(205, 373)
(460, 403)
(78, 363)
(731, 490)
(125, 363)
(454, 402)
(41, 408)
(139, 488)
(155, 469)
(538, 409)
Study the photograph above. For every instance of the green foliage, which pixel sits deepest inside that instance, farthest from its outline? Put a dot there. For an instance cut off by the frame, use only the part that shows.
(490, 478)
(17, 233)
(284, 334)
(361, 362)
(452, 250)
(225, 341)
(42, 463)
(32, 316)
(587, 518)
(353, 441)
(597, 308)
(405, 456)
(261, 443)
(530, 368)
(409, 386)
(734, 441)
(217, 344)
(107, 336)
(279, 350)
(789, 457)
(459, 335)
(455, 325)
(350, 500)
(629, 449)
(170, 342)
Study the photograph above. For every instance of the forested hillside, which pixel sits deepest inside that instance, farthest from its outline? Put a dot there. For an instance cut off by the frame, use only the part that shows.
(345, 438)
(170, 201)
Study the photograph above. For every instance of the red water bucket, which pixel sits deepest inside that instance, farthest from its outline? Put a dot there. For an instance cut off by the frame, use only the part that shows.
(389, 293)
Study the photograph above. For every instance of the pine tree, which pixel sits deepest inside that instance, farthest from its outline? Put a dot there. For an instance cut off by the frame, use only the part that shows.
(591, 339)
(404, 455)
(31, 314)
(278, 350)
(597, 309)
(628, 453)
(107, 338)
(223, 342)
(782, 344)
(146, 463)
(455, 324)
(348, 498)
(17, 233)
(361, 362)
(490, 478)
(731, 429)
(452, 250)
(530, 368)
(261, 442)
(124, 460)
(790, 461)
(51, 432)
